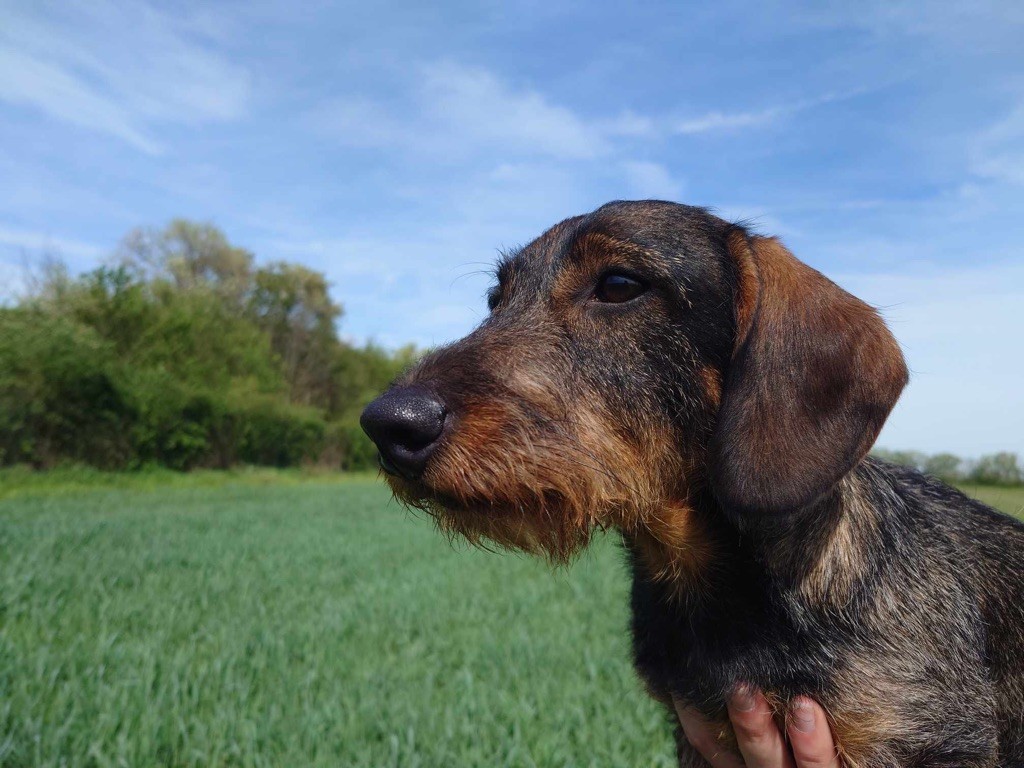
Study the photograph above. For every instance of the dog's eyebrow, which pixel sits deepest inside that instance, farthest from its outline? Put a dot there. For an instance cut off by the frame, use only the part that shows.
(506, 264)
(612, 250)
(605, 241)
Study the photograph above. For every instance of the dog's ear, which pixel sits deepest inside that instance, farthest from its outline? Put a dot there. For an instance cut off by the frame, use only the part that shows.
(813, 376)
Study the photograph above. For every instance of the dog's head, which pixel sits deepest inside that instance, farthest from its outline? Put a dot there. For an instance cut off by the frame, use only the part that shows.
(632, 358)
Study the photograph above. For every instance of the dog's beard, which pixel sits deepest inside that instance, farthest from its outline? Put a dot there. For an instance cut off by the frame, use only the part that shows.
(542, 521)
(514, 478)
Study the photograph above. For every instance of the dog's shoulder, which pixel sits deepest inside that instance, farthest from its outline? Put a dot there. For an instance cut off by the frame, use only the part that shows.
(936, 505)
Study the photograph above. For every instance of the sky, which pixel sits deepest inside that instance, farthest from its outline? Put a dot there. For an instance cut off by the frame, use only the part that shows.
(396, 146)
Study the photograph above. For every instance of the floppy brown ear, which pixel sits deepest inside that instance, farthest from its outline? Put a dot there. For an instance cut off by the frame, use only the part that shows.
(813, 377)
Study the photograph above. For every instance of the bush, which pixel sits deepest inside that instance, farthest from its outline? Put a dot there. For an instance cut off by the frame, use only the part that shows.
(185, 355)
(278, 435)
(945, 466)
(60, 398)
(173, 427)
(914, 459)
(357, 450)
(997, 469)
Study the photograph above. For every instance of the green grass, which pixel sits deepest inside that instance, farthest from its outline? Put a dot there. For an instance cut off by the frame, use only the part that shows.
(272, 619)
(21, 481)
(1008, 499)
(301, 624)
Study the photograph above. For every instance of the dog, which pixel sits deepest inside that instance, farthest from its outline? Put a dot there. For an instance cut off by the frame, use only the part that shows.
(651, 368)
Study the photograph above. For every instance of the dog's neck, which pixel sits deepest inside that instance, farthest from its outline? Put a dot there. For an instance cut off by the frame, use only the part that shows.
(819, 551)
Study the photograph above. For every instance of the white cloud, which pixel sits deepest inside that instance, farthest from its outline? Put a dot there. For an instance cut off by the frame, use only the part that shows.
(630, 124)
(397, 289)
(998, 152)
(43, 241)
(651, 180)
(951, 23)
(116, 68)
(484, 109)
(31, 81)
(426, 282)
(456, 109)
(361, 122)
(719, 122)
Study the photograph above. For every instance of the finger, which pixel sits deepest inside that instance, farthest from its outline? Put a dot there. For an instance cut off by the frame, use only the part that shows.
(810, 736)
(759, 738)
(703, 736)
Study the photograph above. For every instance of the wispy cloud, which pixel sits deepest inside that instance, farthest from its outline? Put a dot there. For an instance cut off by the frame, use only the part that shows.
(30, 241)
(460, 109)
(998, 152)
(951, 23)
(488, 110)
(629, 124)
(117, 68)
(437, 277)
(717, 121)
(651, 180)
(31, 81)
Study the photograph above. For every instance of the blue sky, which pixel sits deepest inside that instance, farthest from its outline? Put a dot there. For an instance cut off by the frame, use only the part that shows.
(396, 145)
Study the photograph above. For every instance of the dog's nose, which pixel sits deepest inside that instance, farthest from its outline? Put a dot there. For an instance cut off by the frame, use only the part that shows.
(405, 423)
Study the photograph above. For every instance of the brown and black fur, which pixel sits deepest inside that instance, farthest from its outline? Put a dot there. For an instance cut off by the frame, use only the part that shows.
(720, 421)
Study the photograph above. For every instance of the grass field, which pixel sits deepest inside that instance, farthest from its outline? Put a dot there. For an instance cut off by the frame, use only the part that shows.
(276, 620)
(300, 624)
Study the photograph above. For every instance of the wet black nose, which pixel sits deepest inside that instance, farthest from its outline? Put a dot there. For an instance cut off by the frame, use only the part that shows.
(405, 423)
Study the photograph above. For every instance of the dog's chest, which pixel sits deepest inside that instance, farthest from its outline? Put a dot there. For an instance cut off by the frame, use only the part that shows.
(875, 689)
(701, 656)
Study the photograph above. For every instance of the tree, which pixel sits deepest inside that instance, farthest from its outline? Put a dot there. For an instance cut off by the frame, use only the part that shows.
(998, 469)
(362, 373)
(59, 397)
(182, 353)
(293, 305)
(914, 459)
(945, 466)
(192, 255)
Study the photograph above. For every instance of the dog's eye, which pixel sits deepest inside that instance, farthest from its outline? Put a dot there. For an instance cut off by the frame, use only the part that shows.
(616, 288)
(493, 297)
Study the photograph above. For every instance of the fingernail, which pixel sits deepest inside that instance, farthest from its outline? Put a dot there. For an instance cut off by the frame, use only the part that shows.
(743, 698)
(803, 716)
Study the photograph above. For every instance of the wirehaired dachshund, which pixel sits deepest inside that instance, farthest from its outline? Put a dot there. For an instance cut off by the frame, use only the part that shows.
(653, 369)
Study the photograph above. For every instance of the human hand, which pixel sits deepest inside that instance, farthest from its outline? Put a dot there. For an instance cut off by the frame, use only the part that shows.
(760, 741)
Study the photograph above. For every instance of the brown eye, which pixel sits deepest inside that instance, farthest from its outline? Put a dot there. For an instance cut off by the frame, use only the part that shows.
(616, 288)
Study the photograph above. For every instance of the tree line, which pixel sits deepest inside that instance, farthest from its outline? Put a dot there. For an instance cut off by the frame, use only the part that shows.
(182, 352)
(993, 469)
